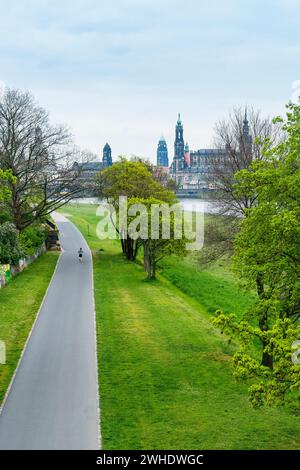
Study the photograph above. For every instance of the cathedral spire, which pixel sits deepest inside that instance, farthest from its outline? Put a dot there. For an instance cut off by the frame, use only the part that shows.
(246, 123)
(246, 137)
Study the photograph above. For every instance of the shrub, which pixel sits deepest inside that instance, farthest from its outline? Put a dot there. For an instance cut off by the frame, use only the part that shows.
(31, 239)
(10, 248)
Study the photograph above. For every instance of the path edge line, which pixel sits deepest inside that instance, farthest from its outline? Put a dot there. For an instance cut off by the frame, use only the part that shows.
(96, 354)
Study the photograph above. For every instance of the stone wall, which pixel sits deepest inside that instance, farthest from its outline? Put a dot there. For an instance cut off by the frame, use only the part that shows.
(7, 271)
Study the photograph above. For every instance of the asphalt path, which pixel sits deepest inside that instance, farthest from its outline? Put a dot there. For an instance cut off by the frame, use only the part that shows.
(53, 399)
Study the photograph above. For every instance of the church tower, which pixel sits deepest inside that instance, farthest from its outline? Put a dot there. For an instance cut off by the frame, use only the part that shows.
(179, 161)
(162, 153)
(107, 160)
(187, 155)
(246, 138)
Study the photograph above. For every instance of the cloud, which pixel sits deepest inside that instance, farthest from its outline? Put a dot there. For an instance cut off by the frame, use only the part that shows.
(122, 70)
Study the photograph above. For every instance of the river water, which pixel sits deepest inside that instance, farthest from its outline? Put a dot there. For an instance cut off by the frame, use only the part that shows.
(188, 204)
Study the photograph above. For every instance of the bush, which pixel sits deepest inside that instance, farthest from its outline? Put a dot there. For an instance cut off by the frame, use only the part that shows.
(4, 216)
(31, 239)
(10, 248)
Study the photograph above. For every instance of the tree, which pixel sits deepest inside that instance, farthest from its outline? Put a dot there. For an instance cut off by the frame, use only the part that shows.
(273, 386)
(220, 232)
(156, 231)
(10, 248)
(40, 157)
(158, 173)
(242, 138)
(5, 178)
(133, 180)
(267, 257)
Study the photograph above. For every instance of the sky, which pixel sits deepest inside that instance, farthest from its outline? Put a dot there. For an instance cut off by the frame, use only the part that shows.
(120, 71)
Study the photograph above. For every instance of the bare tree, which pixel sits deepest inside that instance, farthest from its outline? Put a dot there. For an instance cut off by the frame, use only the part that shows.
(241, 138)
(159, 174)
(39, 155)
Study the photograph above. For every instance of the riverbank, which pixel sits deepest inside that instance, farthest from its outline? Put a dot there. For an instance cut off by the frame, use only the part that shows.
(164, 371)
(188, 204)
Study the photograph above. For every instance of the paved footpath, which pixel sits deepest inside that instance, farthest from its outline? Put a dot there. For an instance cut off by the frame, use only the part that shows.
(53, 401)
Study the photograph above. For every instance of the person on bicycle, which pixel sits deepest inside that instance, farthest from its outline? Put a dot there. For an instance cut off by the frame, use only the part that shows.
(80, 254)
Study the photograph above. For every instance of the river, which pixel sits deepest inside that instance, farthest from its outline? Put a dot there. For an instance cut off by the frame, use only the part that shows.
(188, 204)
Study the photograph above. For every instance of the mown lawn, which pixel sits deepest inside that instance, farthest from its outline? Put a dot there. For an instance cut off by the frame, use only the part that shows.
(165, 378)
(19, 304)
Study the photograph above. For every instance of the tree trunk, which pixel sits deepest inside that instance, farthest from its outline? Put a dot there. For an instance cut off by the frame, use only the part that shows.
(153, 269)
(128, 247)
(267, 359)
(146, 258)
(259, 285)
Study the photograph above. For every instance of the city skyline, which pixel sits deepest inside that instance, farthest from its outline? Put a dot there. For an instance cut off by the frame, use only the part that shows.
(122, 78)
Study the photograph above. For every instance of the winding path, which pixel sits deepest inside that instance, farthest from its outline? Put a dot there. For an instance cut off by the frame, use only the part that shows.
(53, 399)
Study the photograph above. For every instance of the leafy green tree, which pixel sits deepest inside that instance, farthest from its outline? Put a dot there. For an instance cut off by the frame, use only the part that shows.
(5, 194)
(161, 243)
(5, 178)
(133, 180)
(267, 257)
(273, 386)
(31, 239)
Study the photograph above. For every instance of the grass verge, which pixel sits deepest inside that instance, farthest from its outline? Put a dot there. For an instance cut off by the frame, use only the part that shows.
(165, 378)
(19, 303)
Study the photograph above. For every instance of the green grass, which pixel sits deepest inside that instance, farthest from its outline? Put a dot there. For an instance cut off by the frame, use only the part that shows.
(165, 377)
(215, 287)
(19, 304)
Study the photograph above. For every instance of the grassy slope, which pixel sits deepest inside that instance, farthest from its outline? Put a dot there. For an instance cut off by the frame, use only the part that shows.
(19, 303)
(215, 287)
(165, 379)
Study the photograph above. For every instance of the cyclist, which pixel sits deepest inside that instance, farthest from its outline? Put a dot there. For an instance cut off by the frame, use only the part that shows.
(80, 254)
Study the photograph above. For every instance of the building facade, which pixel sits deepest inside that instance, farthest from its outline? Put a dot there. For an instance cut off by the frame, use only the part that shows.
(190, 168)
(87, 171)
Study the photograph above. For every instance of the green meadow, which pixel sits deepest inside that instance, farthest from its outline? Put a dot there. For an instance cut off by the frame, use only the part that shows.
(164, 371)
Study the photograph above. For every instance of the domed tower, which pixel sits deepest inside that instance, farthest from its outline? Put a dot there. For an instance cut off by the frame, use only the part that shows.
(107, 160)
(162, 153)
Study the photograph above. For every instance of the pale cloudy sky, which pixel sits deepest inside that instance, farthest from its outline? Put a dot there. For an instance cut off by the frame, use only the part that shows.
(119, 71)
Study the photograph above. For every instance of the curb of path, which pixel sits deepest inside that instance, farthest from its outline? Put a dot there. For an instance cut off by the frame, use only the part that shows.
(29, 336)
(96, 353)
